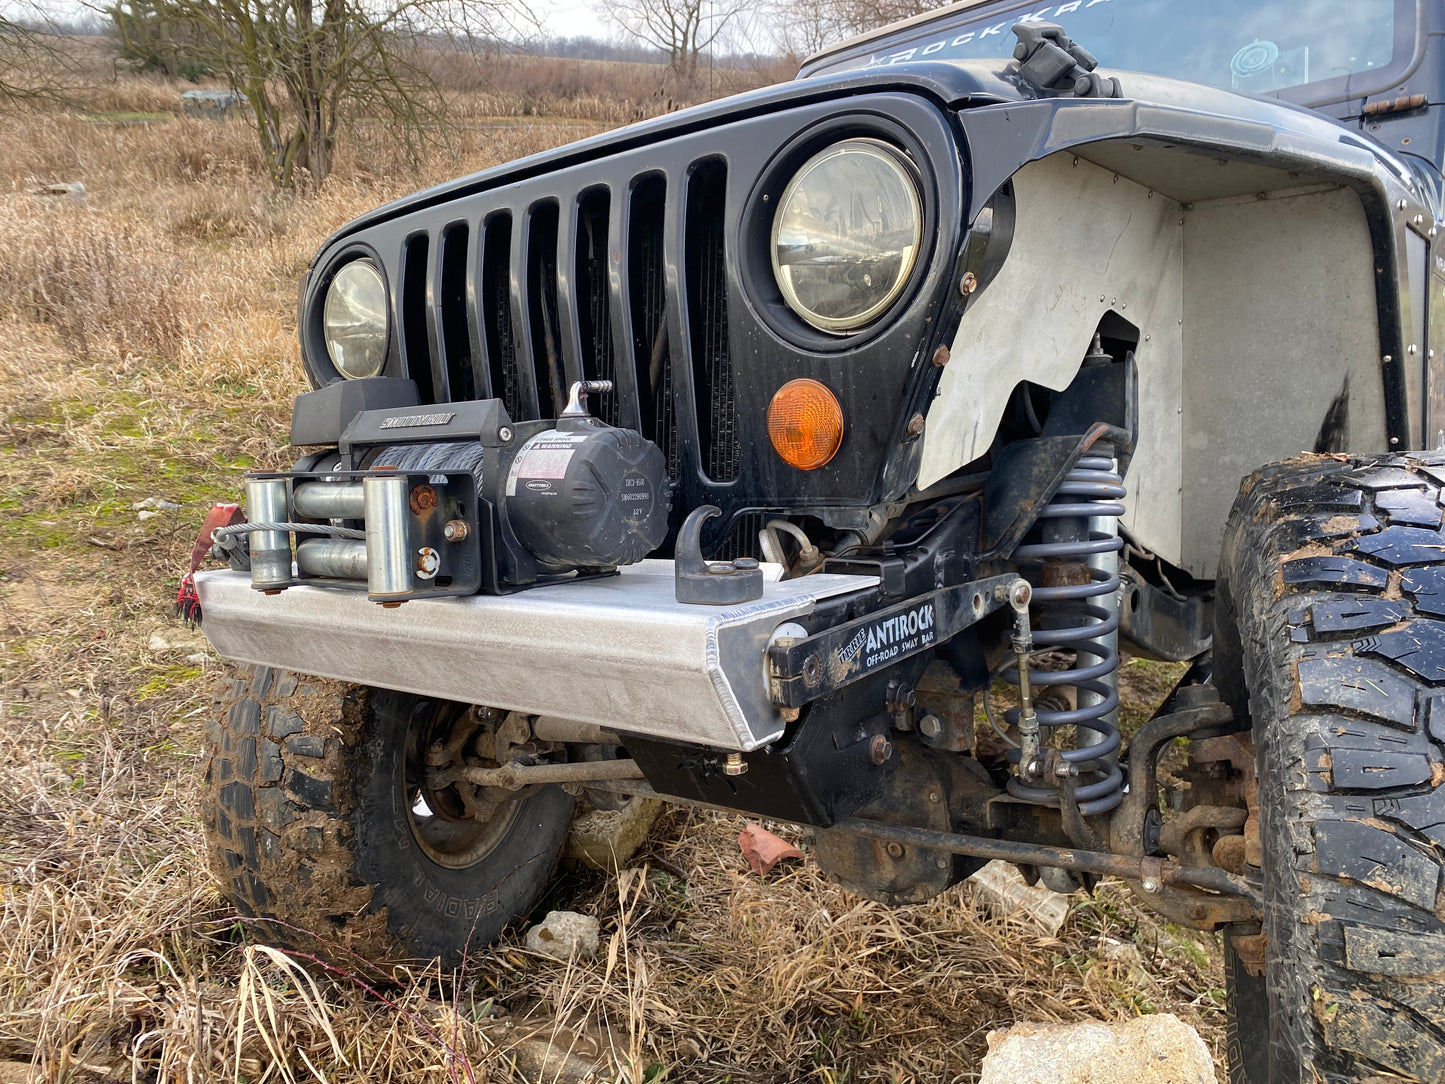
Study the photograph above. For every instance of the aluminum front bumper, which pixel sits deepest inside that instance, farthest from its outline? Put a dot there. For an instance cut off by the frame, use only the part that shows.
(619, 651)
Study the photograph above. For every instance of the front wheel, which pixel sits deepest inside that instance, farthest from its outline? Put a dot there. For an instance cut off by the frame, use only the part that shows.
(1331, 636)
(317, 819)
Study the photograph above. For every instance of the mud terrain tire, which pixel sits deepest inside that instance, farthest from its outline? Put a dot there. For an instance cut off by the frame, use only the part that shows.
(1332, 591)
(309, 819)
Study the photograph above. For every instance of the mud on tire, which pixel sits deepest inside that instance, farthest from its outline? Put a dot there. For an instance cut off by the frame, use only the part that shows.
(1332, 589)
(310, 819)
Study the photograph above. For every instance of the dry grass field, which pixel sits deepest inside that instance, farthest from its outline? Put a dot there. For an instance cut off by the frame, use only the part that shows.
(147, 350)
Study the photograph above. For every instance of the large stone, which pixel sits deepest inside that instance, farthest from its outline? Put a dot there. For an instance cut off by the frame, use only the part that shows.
(565, 935)
(606, 838)
(1159, 1049)
(1002, 889)
(545, 1052)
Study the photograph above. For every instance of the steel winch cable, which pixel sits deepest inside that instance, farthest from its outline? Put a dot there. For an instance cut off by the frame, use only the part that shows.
(222, 533)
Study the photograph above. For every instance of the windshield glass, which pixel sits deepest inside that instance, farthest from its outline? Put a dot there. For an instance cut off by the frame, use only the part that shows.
(1254, 46)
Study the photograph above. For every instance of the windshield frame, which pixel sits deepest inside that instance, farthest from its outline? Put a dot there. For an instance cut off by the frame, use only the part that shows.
(1407, 53)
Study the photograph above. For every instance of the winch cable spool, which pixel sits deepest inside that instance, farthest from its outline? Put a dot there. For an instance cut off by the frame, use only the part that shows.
(415, 458)
(1084, 617)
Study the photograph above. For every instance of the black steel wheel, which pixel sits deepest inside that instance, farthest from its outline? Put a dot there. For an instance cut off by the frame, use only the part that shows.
(1331, 641)
(317, 817)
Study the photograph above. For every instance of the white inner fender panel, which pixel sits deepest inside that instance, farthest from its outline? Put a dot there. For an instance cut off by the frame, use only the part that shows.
(1252, 292)
(1085, 243)
(619, 650)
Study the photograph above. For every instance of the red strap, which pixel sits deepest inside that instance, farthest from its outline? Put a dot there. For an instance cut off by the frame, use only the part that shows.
(220, 515)
(188, 603)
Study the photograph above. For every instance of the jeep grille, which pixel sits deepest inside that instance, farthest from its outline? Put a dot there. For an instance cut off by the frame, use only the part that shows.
(532, 298)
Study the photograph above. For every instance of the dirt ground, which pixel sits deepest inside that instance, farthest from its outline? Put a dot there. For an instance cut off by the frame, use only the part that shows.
(147, 354)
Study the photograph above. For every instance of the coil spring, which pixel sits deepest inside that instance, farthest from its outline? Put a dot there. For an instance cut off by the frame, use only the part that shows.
(1089, 614)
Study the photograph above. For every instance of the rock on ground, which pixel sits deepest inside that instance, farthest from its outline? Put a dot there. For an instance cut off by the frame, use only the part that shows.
(1159, 1049)
(606, 838)
(565, 935)
(1003, 890)
(546, 1052)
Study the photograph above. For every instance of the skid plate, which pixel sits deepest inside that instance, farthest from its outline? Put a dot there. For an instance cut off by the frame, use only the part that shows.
(619, 651)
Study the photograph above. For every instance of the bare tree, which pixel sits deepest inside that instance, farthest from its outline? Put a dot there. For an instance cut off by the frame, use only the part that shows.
(803, 27)
(857, 16)
(310, 68)
(33, 64)
(680, 29)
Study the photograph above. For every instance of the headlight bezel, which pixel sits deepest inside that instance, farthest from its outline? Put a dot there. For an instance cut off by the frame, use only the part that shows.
(907, 172)
(318, 352)
(755, 245)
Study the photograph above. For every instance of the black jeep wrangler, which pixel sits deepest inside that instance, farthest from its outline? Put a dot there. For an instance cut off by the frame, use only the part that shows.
(735, 456)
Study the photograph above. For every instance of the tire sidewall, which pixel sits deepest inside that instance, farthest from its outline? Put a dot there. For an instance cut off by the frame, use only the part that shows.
(432, 909)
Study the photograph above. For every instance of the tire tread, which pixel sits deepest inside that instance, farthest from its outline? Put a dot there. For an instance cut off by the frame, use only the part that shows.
(1342, 672)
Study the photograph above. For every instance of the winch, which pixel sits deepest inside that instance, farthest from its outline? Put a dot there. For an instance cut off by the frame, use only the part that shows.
(425, 502)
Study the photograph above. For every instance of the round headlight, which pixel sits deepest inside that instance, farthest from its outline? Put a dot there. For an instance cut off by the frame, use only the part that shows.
(356, 320)
(846, 234)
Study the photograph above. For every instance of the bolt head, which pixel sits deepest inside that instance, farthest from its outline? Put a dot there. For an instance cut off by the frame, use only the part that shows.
(880, 749)
(895, 850)
(812, 670)
(915, 425)
(968, 284)
(930, 726)
(1152, 886)
(735, 765)
(456, 530)
(504, 434)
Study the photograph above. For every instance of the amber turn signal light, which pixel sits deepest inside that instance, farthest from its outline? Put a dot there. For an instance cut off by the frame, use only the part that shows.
(805, 424)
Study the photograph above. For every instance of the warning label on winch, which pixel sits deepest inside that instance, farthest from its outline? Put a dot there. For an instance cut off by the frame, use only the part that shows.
(545, 456)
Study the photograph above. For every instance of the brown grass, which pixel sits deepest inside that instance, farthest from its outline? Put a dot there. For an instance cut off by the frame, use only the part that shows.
(147, 348)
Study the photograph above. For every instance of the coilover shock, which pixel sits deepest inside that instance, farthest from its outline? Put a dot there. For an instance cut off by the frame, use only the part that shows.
(1076, 592)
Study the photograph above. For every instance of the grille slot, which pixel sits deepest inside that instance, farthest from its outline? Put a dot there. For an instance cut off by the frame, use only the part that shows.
(418, 357)
(707, 320)
(651, 351)
(496, 308)
(542, 320)
(592, 300)
(451, 308)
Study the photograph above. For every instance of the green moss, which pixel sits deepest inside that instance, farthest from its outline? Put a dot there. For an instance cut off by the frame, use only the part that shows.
(125, 116)
(168, 679)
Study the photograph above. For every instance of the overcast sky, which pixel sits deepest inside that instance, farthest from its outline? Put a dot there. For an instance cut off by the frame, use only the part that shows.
(573, 19)
(559, 18)
(562, 18)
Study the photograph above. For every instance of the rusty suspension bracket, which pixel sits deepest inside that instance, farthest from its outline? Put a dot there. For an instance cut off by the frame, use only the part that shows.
(802, 669)
(1154, 874)
(1228, 898)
